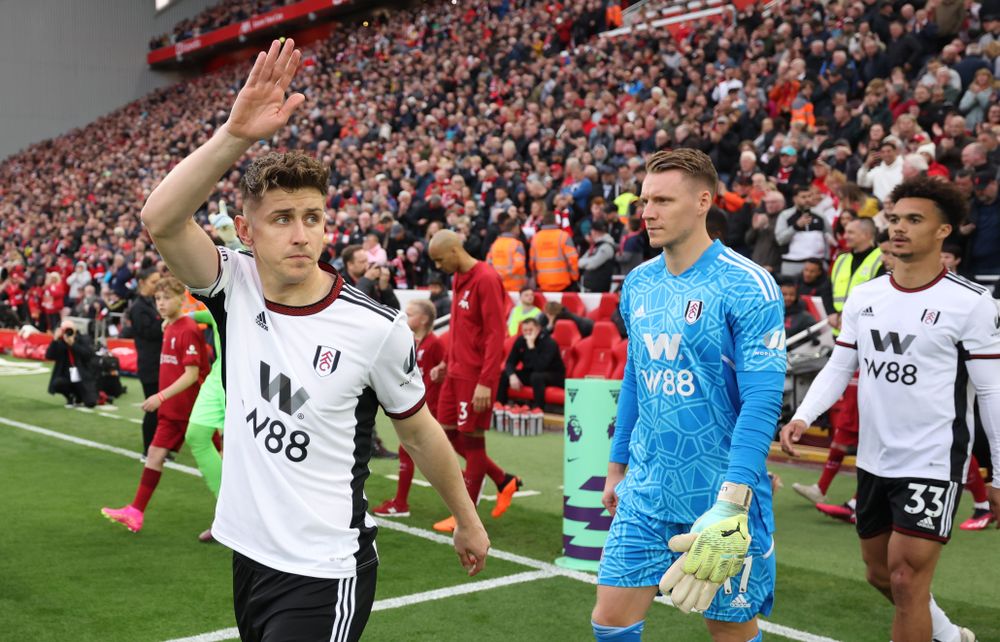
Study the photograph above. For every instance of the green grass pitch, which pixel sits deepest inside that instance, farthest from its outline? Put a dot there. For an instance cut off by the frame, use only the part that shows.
(67, 573)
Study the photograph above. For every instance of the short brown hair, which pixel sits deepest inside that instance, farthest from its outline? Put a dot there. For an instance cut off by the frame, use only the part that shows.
(171, 286)
(426, 308)
(288, 171)
(693, 163)
(348, 253)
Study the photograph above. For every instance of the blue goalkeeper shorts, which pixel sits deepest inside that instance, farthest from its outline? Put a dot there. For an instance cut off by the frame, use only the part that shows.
(636, 555)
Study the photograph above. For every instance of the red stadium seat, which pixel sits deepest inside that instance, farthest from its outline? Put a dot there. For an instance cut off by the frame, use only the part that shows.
(594, 356)
(539, 300)
(606, 308)
(573, 303)
(620, 350)
(566, 335)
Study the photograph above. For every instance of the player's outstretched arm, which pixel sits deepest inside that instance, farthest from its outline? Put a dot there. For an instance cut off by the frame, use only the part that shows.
(259, 111)
(426, 442)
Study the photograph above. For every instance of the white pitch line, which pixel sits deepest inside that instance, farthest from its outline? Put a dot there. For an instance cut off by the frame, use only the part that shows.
(404, 600)
(546, 568)
(93, 444)
(490, 498)
(459, 589)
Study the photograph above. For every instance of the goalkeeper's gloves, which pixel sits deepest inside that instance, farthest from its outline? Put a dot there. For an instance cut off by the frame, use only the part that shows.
(713, 551)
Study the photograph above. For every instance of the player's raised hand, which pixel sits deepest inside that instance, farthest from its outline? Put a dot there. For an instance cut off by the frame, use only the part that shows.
(790, 434)
(261, 108)
(472, 545)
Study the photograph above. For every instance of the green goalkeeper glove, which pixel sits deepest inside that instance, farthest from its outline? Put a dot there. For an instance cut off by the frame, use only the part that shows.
(713, 551)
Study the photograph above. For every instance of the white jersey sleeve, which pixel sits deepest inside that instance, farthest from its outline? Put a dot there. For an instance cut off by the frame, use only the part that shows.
(849, 324)
(981, 335)
(394, 375)
(981, 340)
(228, 266)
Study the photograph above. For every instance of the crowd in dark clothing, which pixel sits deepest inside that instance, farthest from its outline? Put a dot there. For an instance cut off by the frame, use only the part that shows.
(466, 115)
(219, 15)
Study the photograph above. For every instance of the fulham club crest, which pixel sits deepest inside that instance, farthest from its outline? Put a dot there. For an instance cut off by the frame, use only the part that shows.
(692, 312)
(930, 317)
(326, 360)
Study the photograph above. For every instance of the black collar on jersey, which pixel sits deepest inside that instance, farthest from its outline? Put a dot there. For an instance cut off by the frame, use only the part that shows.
(312, 308)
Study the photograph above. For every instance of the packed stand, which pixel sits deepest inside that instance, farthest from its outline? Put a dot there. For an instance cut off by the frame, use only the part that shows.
(514, 124)
(223, 13)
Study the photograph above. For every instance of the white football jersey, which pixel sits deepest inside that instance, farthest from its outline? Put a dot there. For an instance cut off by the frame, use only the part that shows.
(303, 386)
(914, 397)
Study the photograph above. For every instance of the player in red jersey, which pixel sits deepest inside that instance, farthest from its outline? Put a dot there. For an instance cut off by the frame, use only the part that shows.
(183, 366)
(472, 370)
(420, 315)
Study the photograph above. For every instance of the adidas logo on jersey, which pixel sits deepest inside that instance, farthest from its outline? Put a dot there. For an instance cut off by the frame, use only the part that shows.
(739, 602)
(261, 321)
(927, 523)
(867, 312)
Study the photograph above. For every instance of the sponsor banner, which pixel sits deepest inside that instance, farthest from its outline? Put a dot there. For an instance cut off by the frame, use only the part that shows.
(238, 30)
(591, 406)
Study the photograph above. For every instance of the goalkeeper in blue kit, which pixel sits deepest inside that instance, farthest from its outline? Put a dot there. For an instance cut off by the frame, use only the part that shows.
(687, 483)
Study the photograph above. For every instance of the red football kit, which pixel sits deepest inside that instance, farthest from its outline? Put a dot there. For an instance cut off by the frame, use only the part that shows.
(430, 352)
(183, 345)
(475, 355)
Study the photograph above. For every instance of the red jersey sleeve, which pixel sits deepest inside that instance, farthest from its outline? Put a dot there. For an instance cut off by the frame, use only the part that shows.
(191, 348)
(494, 331)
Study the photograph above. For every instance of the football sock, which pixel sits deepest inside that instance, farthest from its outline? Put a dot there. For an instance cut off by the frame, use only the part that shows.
(496, 474)
(618, 633)
(206, 455)
(475, 464)
(974, 482)
(455, 438)
(852, 503)
(944, 630)
(147, 484)
(405, 477)
(833, 461)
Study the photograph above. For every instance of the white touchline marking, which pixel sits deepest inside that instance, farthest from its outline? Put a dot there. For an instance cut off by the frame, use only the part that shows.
(93, 444)
(405, 600)
(459, 589)
(416, 482)
(547, 569)
(421, 482)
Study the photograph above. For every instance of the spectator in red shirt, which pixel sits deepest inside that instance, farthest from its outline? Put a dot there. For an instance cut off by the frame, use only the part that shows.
(472, 370)
(183, 367)
(53, 299)
(420, 316)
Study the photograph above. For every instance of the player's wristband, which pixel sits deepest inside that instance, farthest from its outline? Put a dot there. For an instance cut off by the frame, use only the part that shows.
(739, 494)
(159, 396)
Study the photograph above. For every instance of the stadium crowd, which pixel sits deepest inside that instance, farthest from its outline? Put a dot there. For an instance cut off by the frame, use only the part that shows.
(215, 17)
(515, 124)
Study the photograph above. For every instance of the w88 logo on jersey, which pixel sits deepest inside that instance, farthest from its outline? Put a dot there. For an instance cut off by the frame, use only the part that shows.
(278, 439)
(891, 371)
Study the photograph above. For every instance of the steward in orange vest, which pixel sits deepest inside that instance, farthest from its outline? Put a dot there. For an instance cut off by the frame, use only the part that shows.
(508, 257)
(554, 259)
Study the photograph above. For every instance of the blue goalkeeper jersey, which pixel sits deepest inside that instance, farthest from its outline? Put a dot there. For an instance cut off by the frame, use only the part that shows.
(701, 396)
